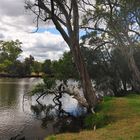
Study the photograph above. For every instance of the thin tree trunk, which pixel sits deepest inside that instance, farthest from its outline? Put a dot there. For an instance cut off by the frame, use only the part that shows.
(128, 55)
(124, 85)
(135, 73)
(133, 67)
(127, 52)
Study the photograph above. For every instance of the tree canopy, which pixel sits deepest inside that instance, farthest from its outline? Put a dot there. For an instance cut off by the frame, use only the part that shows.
(111, 30)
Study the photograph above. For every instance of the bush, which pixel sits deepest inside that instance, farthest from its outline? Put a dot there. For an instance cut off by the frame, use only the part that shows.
(106, 105)
(98, 119)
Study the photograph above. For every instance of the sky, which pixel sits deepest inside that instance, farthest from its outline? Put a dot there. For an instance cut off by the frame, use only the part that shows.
(17, 23)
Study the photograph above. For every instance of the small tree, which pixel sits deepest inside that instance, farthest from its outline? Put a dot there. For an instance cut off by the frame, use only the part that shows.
(9, 52)
(36, 67)
(28, 63)
(46, 67)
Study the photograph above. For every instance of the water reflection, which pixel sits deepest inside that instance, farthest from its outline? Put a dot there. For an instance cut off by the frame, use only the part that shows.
(34, 120)
(53, 122)
(13, 119)
(61, 114)
(8, 95)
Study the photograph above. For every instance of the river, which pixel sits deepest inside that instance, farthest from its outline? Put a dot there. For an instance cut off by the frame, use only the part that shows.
(16, 118)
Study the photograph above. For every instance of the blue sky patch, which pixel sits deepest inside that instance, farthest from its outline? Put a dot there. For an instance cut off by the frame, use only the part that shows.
(51, 30)
(55, 31)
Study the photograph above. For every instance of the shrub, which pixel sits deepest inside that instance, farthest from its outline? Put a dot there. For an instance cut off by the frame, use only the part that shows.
(105, 105)
(98, 119)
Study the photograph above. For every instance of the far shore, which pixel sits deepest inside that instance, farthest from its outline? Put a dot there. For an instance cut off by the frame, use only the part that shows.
(17, 76)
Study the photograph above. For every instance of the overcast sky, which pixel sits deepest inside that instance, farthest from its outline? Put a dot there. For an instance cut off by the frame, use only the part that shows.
(17, 23)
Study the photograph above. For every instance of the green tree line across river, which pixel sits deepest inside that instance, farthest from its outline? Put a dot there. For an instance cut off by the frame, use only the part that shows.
(107, 67)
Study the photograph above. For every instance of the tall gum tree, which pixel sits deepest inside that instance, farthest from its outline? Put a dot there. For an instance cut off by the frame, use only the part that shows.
(118, 22)
(65, 16)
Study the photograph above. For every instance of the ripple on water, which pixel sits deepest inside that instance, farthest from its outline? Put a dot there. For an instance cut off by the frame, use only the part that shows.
(13, 119)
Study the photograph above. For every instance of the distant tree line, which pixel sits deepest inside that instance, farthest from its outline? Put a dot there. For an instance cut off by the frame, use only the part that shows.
(106, 65)
(10, 65)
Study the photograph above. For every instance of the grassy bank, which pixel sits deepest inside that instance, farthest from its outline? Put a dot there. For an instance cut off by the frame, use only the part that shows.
(124, 122)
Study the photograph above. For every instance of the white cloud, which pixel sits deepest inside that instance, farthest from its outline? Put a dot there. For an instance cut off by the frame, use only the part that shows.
(16, 23)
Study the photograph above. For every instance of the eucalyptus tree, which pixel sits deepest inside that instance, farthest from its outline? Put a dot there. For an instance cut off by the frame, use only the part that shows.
(117, 22)
(65, 15)
(28, 65)
(9, 52)
(46, 67)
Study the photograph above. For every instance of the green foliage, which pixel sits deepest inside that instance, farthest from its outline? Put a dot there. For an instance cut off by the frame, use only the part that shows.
(11, 49)
(120, 63)
(134, 102)
(112, 70)
(47, 67)
(64, 68)
(98, 119)
(107, 99)
(108, 67)
(49, 82)
(36, 67)
(39, 88)
(105, 105)
(43, 87)
(28, 64)
(9, 52)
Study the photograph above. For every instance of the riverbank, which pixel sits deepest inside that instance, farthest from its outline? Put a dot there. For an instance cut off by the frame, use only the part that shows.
(124, 113)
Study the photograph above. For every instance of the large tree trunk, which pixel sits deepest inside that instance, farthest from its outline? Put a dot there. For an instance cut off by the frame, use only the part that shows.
(88, 90)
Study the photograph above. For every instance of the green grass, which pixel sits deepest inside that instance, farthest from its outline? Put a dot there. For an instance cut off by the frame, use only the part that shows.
(134, 103)
(106, 105)
(125, 124)
(101, 118)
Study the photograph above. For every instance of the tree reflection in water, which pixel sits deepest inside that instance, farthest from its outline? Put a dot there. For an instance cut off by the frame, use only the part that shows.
(50, 115)
(54, 116)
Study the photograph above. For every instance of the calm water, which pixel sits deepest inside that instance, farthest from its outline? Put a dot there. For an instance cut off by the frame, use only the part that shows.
(16, 118)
